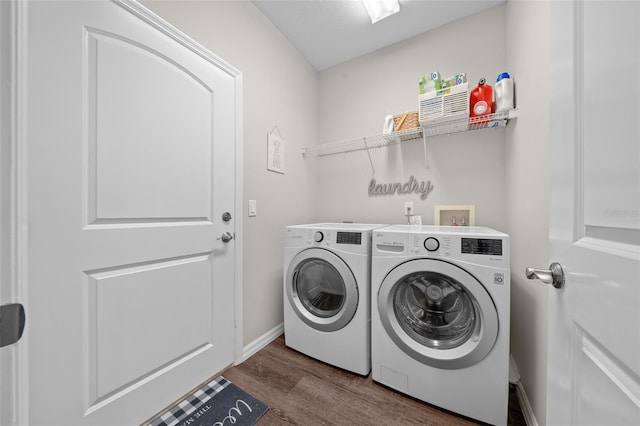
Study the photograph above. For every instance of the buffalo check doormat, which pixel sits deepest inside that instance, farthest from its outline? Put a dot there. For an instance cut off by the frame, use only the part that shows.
(218, 403)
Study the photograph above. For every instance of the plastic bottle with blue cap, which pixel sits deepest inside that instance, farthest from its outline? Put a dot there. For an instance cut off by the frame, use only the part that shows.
(504, 92)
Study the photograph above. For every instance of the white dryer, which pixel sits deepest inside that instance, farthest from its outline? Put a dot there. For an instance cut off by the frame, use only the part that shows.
(327, 291)
(440, 317)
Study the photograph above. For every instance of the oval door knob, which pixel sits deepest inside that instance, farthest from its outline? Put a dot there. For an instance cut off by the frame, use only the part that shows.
(554, 275)
(226, 237)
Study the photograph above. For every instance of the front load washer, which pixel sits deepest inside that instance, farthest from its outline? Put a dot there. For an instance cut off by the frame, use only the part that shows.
(440, 317)
(327, 286)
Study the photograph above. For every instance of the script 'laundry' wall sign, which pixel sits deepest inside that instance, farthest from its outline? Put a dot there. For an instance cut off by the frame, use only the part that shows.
(412, 186)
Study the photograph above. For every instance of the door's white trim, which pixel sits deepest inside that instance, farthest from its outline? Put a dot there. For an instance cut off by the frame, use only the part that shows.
(18, 201)
(9, 289)
(165, 27)
(239, 212)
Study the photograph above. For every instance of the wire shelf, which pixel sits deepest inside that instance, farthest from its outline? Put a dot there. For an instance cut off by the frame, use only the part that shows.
(429, 128)
(447, 125)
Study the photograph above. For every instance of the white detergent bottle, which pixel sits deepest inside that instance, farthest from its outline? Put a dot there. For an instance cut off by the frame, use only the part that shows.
(504, 92)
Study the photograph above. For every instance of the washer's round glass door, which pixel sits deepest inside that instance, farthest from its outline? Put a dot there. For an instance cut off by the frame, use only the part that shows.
(438, 313)
(322, 289)
(435, 310)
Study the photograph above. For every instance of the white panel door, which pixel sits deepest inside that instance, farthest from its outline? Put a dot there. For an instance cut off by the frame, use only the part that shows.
(594, 320)
(130, 139)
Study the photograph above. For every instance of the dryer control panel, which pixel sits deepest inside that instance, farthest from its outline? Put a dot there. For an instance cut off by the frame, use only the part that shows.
(340, 240)
(342, 237)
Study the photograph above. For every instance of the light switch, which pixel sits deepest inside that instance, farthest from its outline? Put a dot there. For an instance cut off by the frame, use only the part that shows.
(252, 208)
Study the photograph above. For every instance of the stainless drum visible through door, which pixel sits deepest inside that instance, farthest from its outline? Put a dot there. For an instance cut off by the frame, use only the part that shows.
(438, 313)
(322, 289)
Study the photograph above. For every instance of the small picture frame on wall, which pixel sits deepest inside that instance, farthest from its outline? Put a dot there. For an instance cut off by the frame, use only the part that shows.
(463, 215)
(275, 151)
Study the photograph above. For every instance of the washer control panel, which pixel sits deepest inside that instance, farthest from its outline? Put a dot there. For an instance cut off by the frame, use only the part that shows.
(484, 246)
(478, 245)
(431, 245)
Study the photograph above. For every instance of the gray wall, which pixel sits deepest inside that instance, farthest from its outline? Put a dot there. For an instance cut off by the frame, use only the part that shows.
(280, 88)
(464, 168)
(528, 50)
(503, 172)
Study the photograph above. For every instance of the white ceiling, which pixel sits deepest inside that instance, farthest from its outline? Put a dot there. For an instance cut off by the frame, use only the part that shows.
(328, 32)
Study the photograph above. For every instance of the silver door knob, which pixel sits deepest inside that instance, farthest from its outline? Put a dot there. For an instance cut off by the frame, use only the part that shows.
(226, 237)
(554, 275)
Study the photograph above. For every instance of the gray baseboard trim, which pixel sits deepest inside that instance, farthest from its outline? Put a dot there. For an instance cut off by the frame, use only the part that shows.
(527, 411)
(262, 341)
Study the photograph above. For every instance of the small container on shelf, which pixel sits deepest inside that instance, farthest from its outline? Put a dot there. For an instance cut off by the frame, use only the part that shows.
(430, 82)
(504, 92)
(448, 105)
(406, 125)
(481, 100)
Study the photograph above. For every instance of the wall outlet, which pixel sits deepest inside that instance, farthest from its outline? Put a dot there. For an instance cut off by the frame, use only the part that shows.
(408, 208)
(415, 220)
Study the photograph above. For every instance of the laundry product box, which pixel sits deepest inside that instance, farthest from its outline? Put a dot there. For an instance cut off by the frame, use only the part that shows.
(449, 106)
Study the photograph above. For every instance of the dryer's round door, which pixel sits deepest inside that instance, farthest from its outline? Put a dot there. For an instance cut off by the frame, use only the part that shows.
(438, 313)
(322, 289)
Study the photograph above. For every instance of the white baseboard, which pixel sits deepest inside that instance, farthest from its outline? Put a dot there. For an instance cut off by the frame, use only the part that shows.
(527, 411)
(262, 341)
(514, 374)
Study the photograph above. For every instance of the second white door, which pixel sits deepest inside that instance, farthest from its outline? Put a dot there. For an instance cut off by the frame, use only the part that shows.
(594, 200)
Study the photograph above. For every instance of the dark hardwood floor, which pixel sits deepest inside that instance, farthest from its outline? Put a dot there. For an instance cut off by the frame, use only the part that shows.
(303, 391)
